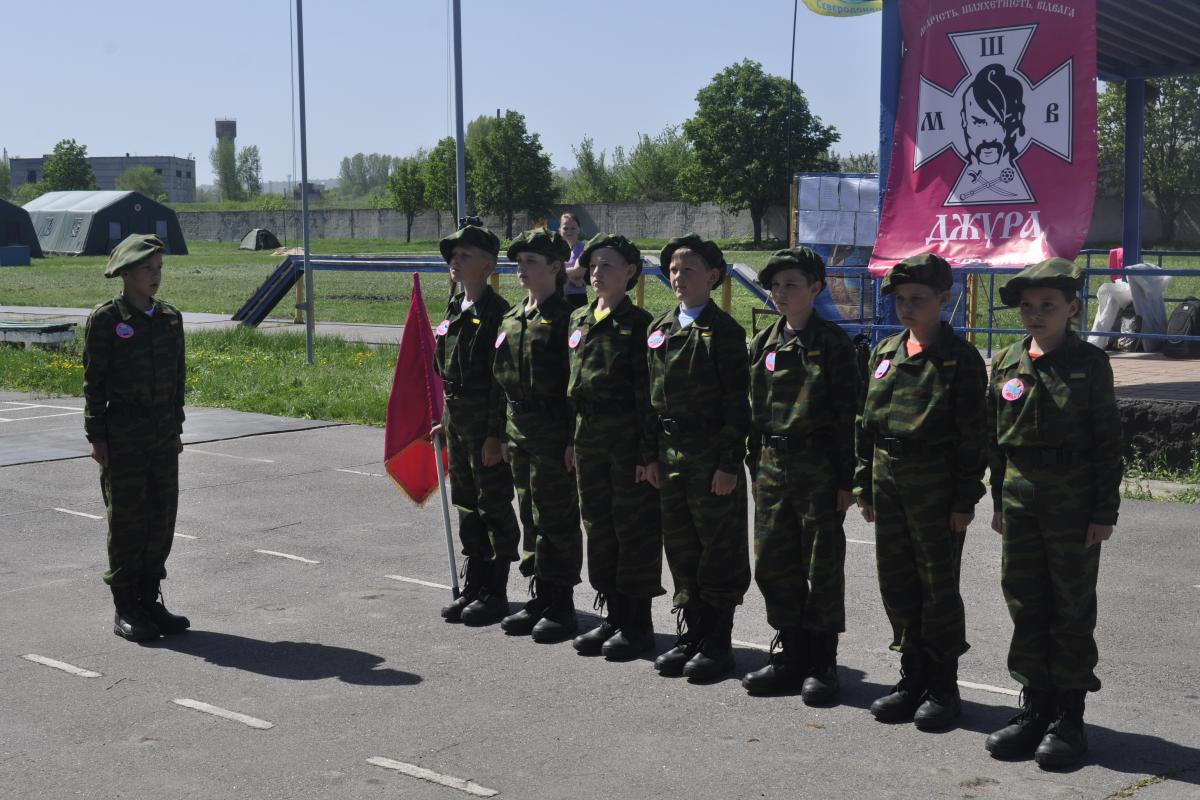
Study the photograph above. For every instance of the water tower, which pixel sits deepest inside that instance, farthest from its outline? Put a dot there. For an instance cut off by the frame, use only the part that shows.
(226, 129)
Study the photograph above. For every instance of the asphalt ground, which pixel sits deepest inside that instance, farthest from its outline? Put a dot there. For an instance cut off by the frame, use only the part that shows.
(348, 664)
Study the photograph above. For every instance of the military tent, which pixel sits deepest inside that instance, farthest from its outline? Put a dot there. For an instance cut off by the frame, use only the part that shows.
(16, 228)
(92, 223)
(259, 239)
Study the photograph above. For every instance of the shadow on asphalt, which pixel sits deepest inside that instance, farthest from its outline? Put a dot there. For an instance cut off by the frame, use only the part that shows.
(295, 661)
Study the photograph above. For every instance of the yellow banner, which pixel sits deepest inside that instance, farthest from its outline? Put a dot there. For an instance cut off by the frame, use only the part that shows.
(844, 8)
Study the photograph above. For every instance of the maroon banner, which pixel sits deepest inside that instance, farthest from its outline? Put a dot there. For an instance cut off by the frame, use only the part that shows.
(994, 153)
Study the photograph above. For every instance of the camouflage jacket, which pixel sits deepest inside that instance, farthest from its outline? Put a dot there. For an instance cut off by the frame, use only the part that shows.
(465, 350)
(806, 385)
(609, 370)
(934, 399)
(532, 367)
(132, 361)
(700, 375)
(1063, 400)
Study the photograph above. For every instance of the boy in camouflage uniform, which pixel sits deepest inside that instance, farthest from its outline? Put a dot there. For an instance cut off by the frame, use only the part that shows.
(804, 392)
(1056, 476)
(616, 451)
(133, 383)
(921, 460)
(532, 367)
(481, 485)
(699, 380)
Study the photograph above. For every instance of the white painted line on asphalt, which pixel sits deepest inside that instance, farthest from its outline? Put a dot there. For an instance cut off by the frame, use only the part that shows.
(859, 541)
(46, 416)
(417, 581)
(24, 406)
(227, 455)
(356, 472)
(78, 513)
(185, 536)
(287, 555)
(61, 665)
(412, 770)
(217, 711)
(751, 645)
(984, 687)
(36, 586)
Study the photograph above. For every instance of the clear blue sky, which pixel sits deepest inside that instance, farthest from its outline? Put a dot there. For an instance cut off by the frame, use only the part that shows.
(150, 77)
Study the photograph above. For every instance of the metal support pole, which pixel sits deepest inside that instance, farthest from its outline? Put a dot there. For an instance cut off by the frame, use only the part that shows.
(889, 88)
(1135, 127)
(309, 323)
(460, 156)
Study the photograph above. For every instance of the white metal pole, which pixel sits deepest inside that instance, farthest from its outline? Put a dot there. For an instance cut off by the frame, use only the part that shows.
(460, 156)
(309, 324)
(439, 443)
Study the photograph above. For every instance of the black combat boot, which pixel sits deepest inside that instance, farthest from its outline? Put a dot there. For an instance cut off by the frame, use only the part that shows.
(689, 630)
(131, 620)
(941, 704)
(714, 658)
(1021, 736)
(1065, 741)
(491, 604)
(166, 622)
(821, 687)
(590, 643)
(472, 573)
(635, 634)
(522, 622)
(905, 698)
(786, 668)
(558, 623)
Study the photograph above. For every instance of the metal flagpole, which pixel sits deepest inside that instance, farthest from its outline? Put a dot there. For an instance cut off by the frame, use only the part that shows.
(460, 156)
(309, 324)
(439, 443)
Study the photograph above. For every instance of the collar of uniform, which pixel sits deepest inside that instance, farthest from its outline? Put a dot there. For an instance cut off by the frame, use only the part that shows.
(703, 322)
(123, 306)
(891, 345)
(805, 337)
(544, 308)
(588, 313)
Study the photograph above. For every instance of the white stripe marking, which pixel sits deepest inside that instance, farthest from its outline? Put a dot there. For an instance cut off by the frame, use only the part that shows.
(984, 687)
(227, 455)
(78, 513)
(61, 665)
(184, 536)
(751, 645)
(24, 406)
(217, 711)
(356, 472)
(45, 416)
(287, 555)
(417, 581)
(859, 541)
(412, 770)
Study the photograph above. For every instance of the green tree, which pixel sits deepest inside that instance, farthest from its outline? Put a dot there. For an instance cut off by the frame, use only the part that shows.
(223, 159)
(144, 180)
(28, 192)
(406, 188)
(591, 181)
(441, 181)
(1171, 147)
(477, 129)
(741, 149)
(67, 168)
(5, 180)
(364, 174)
(510, 171)
(249, 171)
(652, 170)
(857, 162)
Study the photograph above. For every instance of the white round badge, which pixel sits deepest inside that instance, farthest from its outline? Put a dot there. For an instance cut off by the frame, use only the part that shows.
(656, 340)
(500, 339)
(883, 368)
(1013, 390)
(443, 327)
(771, 361)
(575, 339)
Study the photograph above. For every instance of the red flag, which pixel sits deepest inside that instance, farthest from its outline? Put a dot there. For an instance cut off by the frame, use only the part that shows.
(414, 405)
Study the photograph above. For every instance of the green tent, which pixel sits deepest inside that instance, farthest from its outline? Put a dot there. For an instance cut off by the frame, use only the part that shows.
(16, 228)
(92, 223)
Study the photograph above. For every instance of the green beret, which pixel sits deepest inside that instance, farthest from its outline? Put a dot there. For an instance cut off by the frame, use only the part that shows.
(1053, 273)
(133, 249)
(706, 249)
(925, 269)
(546, 243)
(804, 259)
(628, 250)
(473, 235)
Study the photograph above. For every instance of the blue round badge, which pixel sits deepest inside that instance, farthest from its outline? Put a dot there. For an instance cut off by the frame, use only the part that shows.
(124, 330)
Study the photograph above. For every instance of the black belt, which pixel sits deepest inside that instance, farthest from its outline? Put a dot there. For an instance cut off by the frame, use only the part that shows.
(678, 427)
(794, 441)
(903, 448)
(1048, 456)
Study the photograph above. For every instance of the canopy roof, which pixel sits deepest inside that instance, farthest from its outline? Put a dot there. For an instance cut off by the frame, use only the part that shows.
(1147, 38)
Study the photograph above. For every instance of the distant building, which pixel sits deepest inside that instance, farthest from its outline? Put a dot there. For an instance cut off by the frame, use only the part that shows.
(178, 174)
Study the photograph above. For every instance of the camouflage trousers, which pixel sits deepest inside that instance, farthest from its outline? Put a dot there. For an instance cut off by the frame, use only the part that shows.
(799, 541)
(140, 487)
(487, 525)
(918, 557)
(704, 535)
(548, 498)
(1048, 574)
(620, 517)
